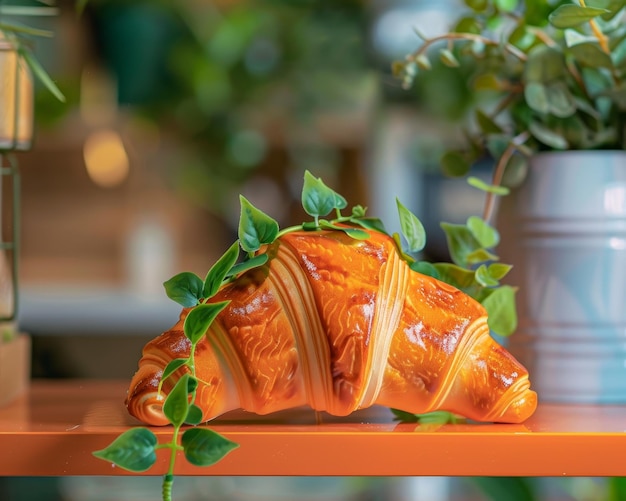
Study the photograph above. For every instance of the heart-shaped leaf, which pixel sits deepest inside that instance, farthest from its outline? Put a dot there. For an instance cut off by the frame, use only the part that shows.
(204, 447)
(200, 318)
(501, 310)
(133, 450)
(220, 270)
(318, 200)
(185, 288)
(176, 405)
(255, 227)
(412, 228)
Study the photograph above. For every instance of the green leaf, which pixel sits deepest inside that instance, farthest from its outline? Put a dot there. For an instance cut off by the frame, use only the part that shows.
(412, 228)
(434, 417)
(26, 30)
(455, 275)
(570, 15)
(318, 200)
(489, 188)
(358, 211)
(500, 306)
(448, 59)
(486, 82)
(479, 256)
(461, 243)
(561, 102)
(486, 235)
(454, 164)
(356, 233)
(405, 417)
(618, 96)
(477, 5)
(255, 227)
(425, 268)
(438, 417)
(27, 10)
(521, 37)
(248, 264)
(483, 278)
(486, 123)
(194, 415)
(547, 136)
(186, 289)
(204, 447)
(173, 366)
(220, 270)
(133, 450)
(42, 75)
(499, 270)
(468, 24)
(176, 405)
(370, 223)
(506, 5)
(536, 96)
(590, 54)
(545, 65)
(200, 319)
(423, 63)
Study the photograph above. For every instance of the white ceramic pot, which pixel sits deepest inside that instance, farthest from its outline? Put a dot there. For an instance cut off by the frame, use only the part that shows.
(564, 230)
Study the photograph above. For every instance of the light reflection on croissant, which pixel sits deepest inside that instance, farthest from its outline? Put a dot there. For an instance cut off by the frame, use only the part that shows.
(340, 324)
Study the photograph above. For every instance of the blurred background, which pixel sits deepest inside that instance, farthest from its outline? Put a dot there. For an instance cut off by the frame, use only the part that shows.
(172, 109)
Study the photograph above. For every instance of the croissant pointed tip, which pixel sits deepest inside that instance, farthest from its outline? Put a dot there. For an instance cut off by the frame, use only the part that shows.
(149, 409)
(522, 405)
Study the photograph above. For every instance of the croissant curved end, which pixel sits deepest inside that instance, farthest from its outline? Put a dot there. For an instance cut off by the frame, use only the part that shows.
(522, 403)
(150, 409)
(144, 401)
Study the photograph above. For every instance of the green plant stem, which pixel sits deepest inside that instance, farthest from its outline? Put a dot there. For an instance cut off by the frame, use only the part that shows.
(168, 479)
(290, 229)
(471, 37)
(597, 32)
(498, 172)
(604, 44)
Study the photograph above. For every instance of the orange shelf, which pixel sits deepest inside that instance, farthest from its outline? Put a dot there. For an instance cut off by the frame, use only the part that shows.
(53, 429)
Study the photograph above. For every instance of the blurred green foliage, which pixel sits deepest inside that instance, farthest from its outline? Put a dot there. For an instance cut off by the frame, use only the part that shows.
(220, 77)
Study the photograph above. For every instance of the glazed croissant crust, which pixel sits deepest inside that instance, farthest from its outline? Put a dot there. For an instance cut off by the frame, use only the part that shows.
(339, 324)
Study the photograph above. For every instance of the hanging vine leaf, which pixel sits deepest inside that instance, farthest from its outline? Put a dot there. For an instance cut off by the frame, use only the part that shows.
(255, 227)
(133, 450)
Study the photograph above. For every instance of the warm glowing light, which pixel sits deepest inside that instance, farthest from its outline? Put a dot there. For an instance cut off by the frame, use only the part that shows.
(105, 158)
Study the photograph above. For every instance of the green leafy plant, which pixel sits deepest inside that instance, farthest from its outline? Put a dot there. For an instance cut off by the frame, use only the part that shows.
(21, 35)
(135, 449)
(544, 75)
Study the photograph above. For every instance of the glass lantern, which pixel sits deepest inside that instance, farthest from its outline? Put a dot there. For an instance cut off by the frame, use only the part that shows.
(16, 132)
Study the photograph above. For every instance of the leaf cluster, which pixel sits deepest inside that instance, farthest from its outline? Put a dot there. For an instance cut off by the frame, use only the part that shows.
(555, 78)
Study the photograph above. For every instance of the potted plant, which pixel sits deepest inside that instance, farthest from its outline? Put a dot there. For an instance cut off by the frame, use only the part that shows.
(17, 67)
(548, 83)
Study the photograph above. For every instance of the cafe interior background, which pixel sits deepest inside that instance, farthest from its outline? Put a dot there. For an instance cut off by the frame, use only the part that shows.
(172, 109)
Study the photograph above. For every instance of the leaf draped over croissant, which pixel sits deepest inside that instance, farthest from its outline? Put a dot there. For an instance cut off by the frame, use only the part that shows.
(340, 324)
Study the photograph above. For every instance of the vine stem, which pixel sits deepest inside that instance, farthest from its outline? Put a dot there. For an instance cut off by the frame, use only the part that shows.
(168, 479)
(471, 37)
(602, 40)
(498, 172)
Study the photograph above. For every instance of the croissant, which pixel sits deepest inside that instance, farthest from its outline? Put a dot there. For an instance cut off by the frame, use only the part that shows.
(340, 324)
